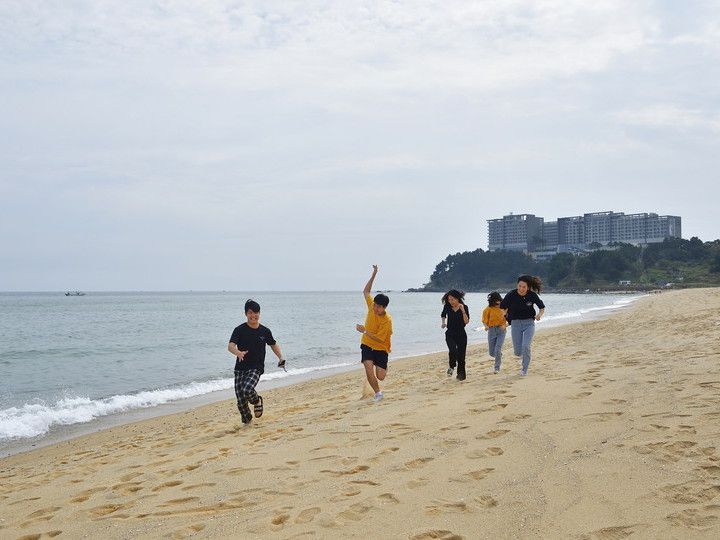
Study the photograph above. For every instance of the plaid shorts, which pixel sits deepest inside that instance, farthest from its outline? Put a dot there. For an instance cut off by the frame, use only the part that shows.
(245, 383)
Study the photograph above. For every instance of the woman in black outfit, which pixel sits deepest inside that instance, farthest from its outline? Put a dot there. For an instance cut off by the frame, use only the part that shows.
(457, 315)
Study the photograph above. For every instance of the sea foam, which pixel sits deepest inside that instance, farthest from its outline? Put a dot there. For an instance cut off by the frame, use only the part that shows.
(35, 419)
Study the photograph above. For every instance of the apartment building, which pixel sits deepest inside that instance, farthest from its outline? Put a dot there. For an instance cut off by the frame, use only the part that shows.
(527, 232)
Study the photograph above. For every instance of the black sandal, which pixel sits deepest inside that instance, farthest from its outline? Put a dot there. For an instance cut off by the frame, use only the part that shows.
(258, 407)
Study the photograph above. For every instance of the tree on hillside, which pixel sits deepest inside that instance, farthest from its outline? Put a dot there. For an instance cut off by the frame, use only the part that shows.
(559, 268)
(475, 270)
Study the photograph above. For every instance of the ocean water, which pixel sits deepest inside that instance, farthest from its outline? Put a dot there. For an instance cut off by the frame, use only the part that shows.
(71, 360)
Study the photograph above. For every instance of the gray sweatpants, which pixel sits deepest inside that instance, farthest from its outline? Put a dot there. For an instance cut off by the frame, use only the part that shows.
(522, 332)
(496, 338)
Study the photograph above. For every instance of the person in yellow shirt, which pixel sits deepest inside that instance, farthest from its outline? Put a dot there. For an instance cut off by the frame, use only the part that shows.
(495, 325)
(376, 332)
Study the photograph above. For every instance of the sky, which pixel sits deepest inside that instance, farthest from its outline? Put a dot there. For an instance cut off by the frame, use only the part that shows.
(222, 145)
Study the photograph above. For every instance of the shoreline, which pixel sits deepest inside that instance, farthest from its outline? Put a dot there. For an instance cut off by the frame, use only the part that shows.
(69, 432)
(610, 435)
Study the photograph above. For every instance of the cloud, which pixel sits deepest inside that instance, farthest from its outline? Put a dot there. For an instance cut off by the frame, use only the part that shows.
(339, 46)
(671, 116)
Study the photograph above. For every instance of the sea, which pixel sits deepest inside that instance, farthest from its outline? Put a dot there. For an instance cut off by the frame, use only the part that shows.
(74, 364)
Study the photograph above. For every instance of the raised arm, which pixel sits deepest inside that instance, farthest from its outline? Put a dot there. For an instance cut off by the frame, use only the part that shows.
(369, 284)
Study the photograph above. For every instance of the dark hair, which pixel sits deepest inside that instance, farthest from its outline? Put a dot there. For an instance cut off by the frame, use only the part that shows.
(533, 282)
(252, 305)
(494, 298)
(455, 294)
(381, 300)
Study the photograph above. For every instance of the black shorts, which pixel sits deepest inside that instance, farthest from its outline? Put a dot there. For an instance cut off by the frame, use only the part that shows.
(379, 358)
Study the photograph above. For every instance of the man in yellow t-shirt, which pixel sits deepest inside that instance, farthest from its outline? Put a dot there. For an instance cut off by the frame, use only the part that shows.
(376, 332)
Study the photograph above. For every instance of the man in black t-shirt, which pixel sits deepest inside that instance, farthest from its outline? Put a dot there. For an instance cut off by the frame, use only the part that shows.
(247, 344)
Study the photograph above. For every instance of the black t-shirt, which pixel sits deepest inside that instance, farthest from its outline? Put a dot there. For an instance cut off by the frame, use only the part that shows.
(455, 321)
(252, 340)
(521, 307)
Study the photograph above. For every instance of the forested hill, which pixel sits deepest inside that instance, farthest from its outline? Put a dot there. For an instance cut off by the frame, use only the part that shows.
(685, 263)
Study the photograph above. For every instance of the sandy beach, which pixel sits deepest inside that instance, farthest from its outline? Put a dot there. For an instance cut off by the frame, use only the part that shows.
(613, 434)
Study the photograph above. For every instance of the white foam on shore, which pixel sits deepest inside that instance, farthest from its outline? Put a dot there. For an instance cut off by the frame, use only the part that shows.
(36, 419)
(618, 304)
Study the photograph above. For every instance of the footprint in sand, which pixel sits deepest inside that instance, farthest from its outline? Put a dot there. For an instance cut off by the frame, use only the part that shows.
(49, 534)
(354, 470)
(307, 515)
(712, 470)
(437, 534)
(85, 495)
(387, 498)
(237, 471)
(447, 507)
(611, 533)
(418, 463)
(514, 417)
(184, 500)
(453, 443)
(478, 454)
(365, 482)
(691, 492)
(493, 434)
(165, 485)
(458, 427)
(351, 492)
(128, 488)
(24, 500)
(356, 512)
(44, 514)
(105, 510)
(479, 474)
(698, 520)
(385, 452)
(196, 486)
(486, 501)
(189, 531)
(603, 416)
(279, 520)
(417, 483)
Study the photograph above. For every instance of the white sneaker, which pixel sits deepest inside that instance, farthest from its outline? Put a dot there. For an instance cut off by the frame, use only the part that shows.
(378, 397)
(496, 371)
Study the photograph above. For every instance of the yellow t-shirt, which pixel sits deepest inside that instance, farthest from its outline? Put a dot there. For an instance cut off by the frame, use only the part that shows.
(380, 326)
(493, 316)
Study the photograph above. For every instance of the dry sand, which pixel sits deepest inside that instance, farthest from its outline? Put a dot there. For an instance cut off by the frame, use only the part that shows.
(614, 433)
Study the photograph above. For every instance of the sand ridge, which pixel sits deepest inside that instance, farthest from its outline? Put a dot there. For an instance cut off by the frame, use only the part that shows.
(612, 435)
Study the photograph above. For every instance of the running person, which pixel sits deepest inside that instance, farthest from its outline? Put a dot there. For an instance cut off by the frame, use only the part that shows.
(495, 325)
(519, 304)
(376, 332)
(247, 344)
(457, 315)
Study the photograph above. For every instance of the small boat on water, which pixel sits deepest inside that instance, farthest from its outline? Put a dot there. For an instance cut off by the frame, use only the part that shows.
(74, 293)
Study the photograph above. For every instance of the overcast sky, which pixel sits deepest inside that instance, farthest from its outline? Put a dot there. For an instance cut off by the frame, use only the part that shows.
(219, 145)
